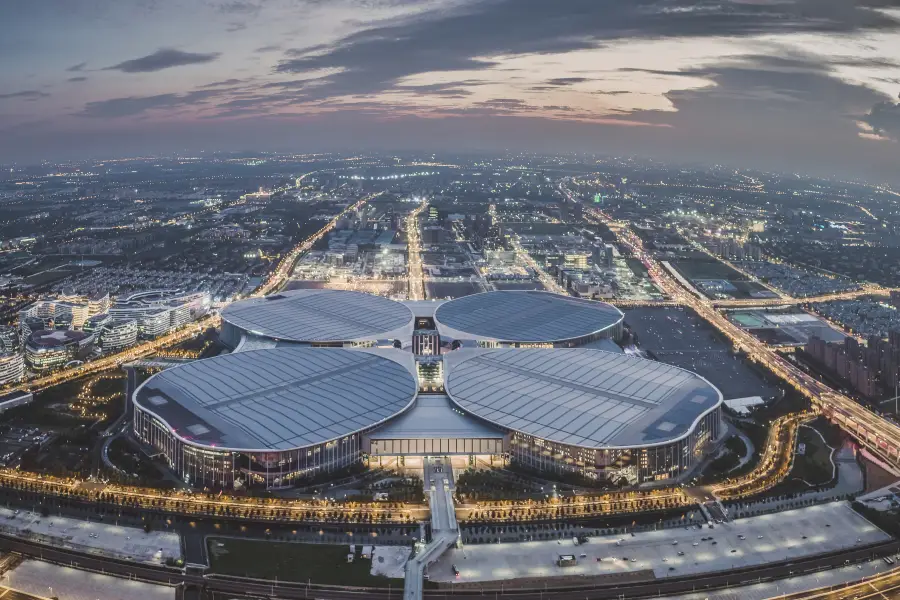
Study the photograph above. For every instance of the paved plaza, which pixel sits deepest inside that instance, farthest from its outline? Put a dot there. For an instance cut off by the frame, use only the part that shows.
(767, 538)
(46, 580)
(100, 537)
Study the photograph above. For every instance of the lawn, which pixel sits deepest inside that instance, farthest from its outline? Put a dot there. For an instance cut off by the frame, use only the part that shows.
(814, 465)
(290, 561)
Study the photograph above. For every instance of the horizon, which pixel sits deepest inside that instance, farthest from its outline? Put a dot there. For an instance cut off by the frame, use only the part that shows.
(786, 87)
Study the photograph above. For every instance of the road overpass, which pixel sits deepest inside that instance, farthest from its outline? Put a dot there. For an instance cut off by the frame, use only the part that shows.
(879, 435)
(438, 481)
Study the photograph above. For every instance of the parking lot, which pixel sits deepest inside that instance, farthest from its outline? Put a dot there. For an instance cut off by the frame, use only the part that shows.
(679, 337)
(673, 552)
(92, 536)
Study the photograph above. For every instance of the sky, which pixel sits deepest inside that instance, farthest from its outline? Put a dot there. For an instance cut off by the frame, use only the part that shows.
(811, 86)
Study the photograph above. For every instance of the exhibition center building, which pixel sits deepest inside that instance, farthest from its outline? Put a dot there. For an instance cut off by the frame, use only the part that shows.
(321, 381)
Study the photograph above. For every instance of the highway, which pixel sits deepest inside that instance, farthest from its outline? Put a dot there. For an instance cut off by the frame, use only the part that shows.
(112, 361)
(881, 436)
(282, 273)
(882, 587)
(232, 587)
(546, 280)
(414, 247)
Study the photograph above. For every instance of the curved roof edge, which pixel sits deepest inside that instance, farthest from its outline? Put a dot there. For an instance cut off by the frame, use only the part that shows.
(473, 352)
(397, 332)
(404, 359)
(459, 334)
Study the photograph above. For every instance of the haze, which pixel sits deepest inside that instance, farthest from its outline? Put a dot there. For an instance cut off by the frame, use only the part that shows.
(805, 85)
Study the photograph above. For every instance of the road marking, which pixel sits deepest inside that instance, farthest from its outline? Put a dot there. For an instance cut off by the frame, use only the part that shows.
(877, 591)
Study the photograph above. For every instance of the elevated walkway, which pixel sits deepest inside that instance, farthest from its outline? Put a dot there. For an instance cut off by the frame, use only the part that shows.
(438, 480)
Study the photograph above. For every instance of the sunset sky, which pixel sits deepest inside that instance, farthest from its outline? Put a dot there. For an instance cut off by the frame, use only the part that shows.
(806, 85)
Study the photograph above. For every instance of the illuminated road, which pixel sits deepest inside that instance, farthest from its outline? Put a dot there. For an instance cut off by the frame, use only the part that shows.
(414, 247)
(883, 587)
(548, 282)
(282, 273)
(881, 436)
(113, 361)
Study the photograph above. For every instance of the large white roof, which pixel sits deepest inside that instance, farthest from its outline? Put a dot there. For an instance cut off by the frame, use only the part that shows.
(280, 399)
(580, 397)
(313, 315)
(524, 316)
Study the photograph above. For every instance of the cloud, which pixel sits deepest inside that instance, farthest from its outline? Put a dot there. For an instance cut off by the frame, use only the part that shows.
(77, 68)
(781, 111)
(611, 92)
(27, 94)
(234, 27)
(76, 79)
(264, 49)
(455, 89)
(135, 105)
(564, 81)
(225, 83)
(239, 7)
(465, 36)
(164, 58)
(884, 119)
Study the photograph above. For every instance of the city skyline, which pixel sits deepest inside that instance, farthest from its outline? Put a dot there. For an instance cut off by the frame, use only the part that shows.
(789, 86)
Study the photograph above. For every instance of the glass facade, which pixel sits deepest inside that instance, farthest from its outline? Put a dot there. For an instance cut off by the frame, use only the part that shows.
(637, 465)
(204, 466)
(435, 446)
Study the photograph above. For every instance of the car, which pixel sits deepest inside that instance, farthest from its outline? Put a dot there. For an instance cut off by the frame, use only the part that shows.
(681, 554)
(665, 560)
(583, 555)
(633, 560)
(759, 537)
(742, 537)
(671, 568)
(455, 571)
(675, 543)
(695, 544)
(733, 551)
(714, 543)
(804, 537)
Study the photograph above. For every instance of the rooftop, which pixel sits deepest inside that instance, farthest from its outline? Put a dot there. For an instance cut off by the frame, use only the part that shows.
(281, 398)
(434, 416)
(581, 397)
(312, 315)
(48, 338)
(524, 316)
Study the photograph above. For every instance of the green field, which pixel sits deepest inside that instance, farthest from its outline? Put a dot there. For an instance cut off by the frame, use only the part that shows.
(290, 561)
(706, 269)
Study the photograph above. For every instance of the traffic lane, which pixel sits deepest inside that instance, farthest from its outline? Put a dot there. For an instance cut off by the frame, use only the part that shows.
(243, 588)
